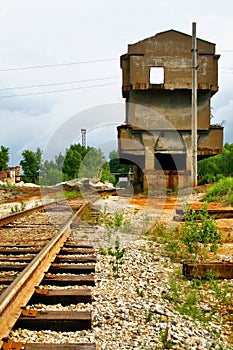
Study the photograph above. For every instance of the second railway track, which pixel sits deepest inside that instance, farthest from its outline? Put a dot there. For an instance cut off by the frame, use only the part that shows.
(37, 272)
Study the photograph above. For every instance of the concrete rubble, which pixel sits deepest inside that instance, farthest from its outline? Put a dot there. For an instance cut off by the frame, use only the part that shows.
(85, 184)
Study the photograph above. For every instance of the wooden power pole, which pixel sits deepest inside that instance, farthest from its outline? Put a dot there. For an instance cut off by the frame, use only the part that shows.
(194, 105)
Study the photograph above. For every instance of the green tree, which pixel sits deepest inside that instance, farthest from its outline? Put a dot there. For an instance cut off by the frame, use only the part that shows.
(85, 162)
(50, 173)
(116, 166)
(71, 163)
(4, 158)
(213, 168)
(92, 163)
(106, 174)
(31, 164)
(59, 161)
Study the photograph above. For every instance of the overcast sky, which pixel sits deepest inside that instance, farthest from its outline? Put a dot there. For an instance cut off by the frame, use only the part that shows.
(80, 42)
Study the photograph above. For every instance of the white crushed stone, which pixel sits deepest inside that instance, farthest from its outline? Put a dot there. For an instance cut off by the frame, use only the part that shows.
(120, 314)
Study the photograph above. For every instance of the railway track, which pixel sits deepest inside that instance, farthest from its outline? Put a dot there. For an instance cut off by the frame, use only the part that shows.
(26, 271)
(117, 317)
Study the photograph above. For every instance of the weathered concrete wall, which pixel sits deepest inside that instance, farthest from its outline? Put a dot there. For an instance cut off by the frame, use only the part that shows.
(160, 181)
(211, 143)
(167, 109)
(171, 50)
(157, 135)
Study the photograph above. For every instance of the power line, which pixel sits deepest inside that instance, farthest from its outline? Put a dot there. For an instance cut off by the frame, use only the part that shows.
(54, 91)
(70, 63)
(57, 65)
(58, 83)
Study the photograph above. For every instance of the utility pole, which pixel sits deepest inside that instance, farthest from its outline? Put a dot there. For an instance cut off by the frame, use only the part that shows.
(194, 105)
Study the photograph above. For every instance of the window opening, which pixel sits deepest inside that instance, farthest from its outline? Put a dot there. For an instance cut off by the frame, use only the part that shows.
(156, 75)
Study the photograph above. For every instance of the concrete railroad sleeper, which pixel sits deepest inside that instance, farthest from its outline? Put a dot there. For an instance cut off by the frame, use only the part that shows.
(42, 270)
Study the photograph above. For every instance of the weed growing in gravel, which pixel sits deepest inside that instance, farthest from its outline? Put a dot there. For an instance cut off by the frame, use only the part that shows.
(203, 300)
(117, 262)
(146, 221)
(200, 233)
(88, 217)
(117, 254)
(222, 291)
(140, 292)
(157, 233)
(112, 221)
(65, 194)
(15, 209)
(170, 239)
(163, 337)
(7, 184)
(198, 236)
(149, 315)
(186, 298)
(103, 251)
(23, 206)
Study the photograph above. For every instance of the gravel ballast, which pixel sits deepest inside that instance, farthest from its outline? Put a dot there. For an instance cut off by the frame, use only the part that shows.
(130, 311)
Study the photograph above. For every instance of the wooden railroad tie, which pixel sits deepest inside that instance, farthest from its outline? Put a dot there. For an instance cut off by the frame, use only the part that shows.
(26, 259)
(79, 271)
(72, 268)
(220, 270)
(62, 280)
(57, 268)
(220, 213)
(76, 259)
(71, 251)
(64, 321)
(61, 296)
(18, 251)
(10, 345)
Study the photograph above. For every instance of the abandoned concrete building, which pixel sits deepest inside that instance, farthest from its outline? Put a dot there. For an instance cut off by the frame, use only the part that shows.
(157, 85)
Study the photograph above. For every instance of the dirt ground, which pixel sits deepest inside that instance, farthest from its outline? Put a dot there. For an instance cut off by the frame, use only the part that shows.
(167, 207)
(23, 193)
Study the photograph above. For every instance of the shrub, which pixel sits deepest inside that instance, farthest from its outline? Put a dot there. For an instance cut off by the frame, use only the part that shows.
(220, 191)
(200, 233)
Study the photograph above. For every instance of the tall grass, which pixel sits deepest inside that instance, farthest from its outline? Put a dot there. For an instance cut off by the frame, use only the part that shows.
(222, 190)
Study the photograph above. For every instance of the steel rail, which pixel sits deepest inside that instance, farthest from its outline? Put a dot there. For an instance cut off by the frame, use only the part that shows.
(8, 219)
(22, 288)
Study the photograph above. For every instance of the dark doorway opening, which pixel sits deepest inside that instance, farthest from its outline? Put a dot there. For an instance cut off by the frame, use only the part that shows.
(169, 161)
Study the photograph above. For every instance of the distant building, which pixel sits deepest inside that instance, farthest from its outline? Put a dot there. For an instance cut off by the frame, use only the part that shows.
(157, 85)
(12, 175)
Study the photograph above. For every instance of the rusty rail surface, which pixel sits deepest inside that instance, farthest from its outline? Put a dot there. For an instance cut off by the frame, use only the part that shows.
(8, 219)
(20, 291)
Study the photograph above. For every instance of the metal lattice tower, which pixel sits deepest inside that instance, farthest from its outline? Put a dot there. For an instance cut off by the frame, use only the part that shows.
(84, 133)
